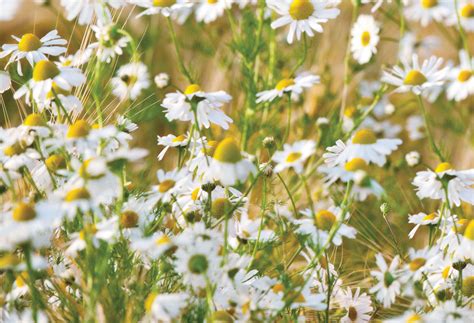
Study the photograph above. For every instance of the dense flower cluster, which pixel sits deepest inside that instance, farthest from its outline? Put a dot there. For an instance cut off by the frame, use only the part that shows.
(254, 209)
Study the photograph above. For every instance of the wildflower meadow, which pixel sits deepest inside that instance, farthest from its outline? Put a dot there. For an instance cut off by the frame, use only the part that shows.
(237, 161)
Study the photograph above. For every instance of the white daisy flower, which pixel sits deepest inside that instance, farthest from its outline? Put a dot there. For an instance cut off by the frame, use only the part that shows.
(208, 106)
(358, 306)
(208, 11)
(106, 230)
(387, 287)
(165, 307)
(170, 184)
(86, 10)
(171, 141)
(422, 80)
(289, 86)
(294, 155)
(110, 43)
(363, 144)
(48, 76)
(461, 78)
(415, 127)
(153, 246)
(33, 48)
(5, 81)
(130, 81)
(425, 11)
(466, 14)
(228, 165)
(303, 16)
(178, 10)
(9, 9)
(429, 184)
(449, 312)
(420, 219)
(420, 262)
(365, 37)
(162, 80)
(412, 158)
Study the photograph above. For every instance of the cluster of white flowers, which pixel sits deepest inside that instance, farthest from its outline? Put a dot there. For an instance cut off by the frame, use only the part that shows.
(233, 225)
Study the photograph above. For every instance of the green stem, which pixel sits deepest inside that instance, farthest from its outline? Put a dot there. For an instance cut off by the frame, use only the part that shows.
(182, 67)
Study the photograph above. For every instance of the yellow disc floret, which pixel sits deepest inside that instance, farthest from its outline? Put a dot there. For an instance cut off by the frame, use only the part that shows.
(416, 264)
(356, 164)
(78, 129)
(128, 219)
(45, 70)
(192, 88)
(414, 77)
(429, 3)
(468, 286)
(29, 43)
(281, 85)
(228, 151)
(149, 301)
(429, 217)
(469, 232)
(364, 137)
(365, 38)
(34, 120)
(163, 3)
(80, 193)
(55, 162)
(443, 167)
(24, 212)
(325, 220)
(464, 75)
(292, 157)
(220, 207)
(301, 9)
(166, 185)
(467, 11)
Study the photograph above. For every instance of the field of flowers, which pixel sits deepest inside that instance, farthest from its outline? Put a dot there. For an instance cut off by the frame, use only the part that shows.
(237, 161)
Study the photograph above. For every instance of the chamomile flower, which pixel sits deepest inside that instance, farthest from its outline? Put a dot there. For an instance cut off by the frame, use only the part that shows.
(465, 10)
(421, 80)
(165, 307)
(303, 16)
(110, 43)
(388, 286)
(162, 80)
(168, 141)
(228, 165)
(461, 79)
(365, 37)
(170, 184)
(130, 81)
(178, 10)
(425, 11)
(363, 144)
(194, 104)
(294, 155)
(429, 184)
(358, 306)
(33, 48)
(420, 219)
(208, 11)
(420, 262)
(153, 246)
(49, 78)
(86, 10)
(106, 230)
(290, 86)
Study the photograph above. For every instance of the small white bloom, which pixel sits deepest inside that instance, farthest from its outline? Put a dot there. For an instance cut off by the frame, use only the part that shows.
(294, 155)
(130, 81)
(162, 80)
(412, 158)
(289, 86)
(365, 37)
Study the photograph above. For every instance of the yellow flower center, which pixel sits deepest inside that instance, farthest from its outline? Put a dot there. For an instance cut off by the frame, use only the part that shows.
(179, 138)
(469, 232)
(278, 287)
(163, 3)
(166, 185)
(88, 229)
(443, 167)
(414, 77)
(195, 194)
(29, 43)
(364, 137)
(34, 120)
(80, 193)
(464, 75)
(352, 313)
(15, 149)
(211, 149)
(301, 9)
(365, 38)
(192, 88)
(58, 90)
(149, 301)
(429, 217)
(24, 212)
(21, 279)
(128, 219)
(292, 157)
(467, 11)
(220, 207)
(45, 70)
(8, 260)
(461, 226)
(212, 1)
(281, 85)
(227, 151)
(356, 164)
(445, 272)
(78, 129)
(468, 286)
(416, 264)
(429, 3)
(414, 318)
(164, 239)
(55, 162)
(325, 220)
